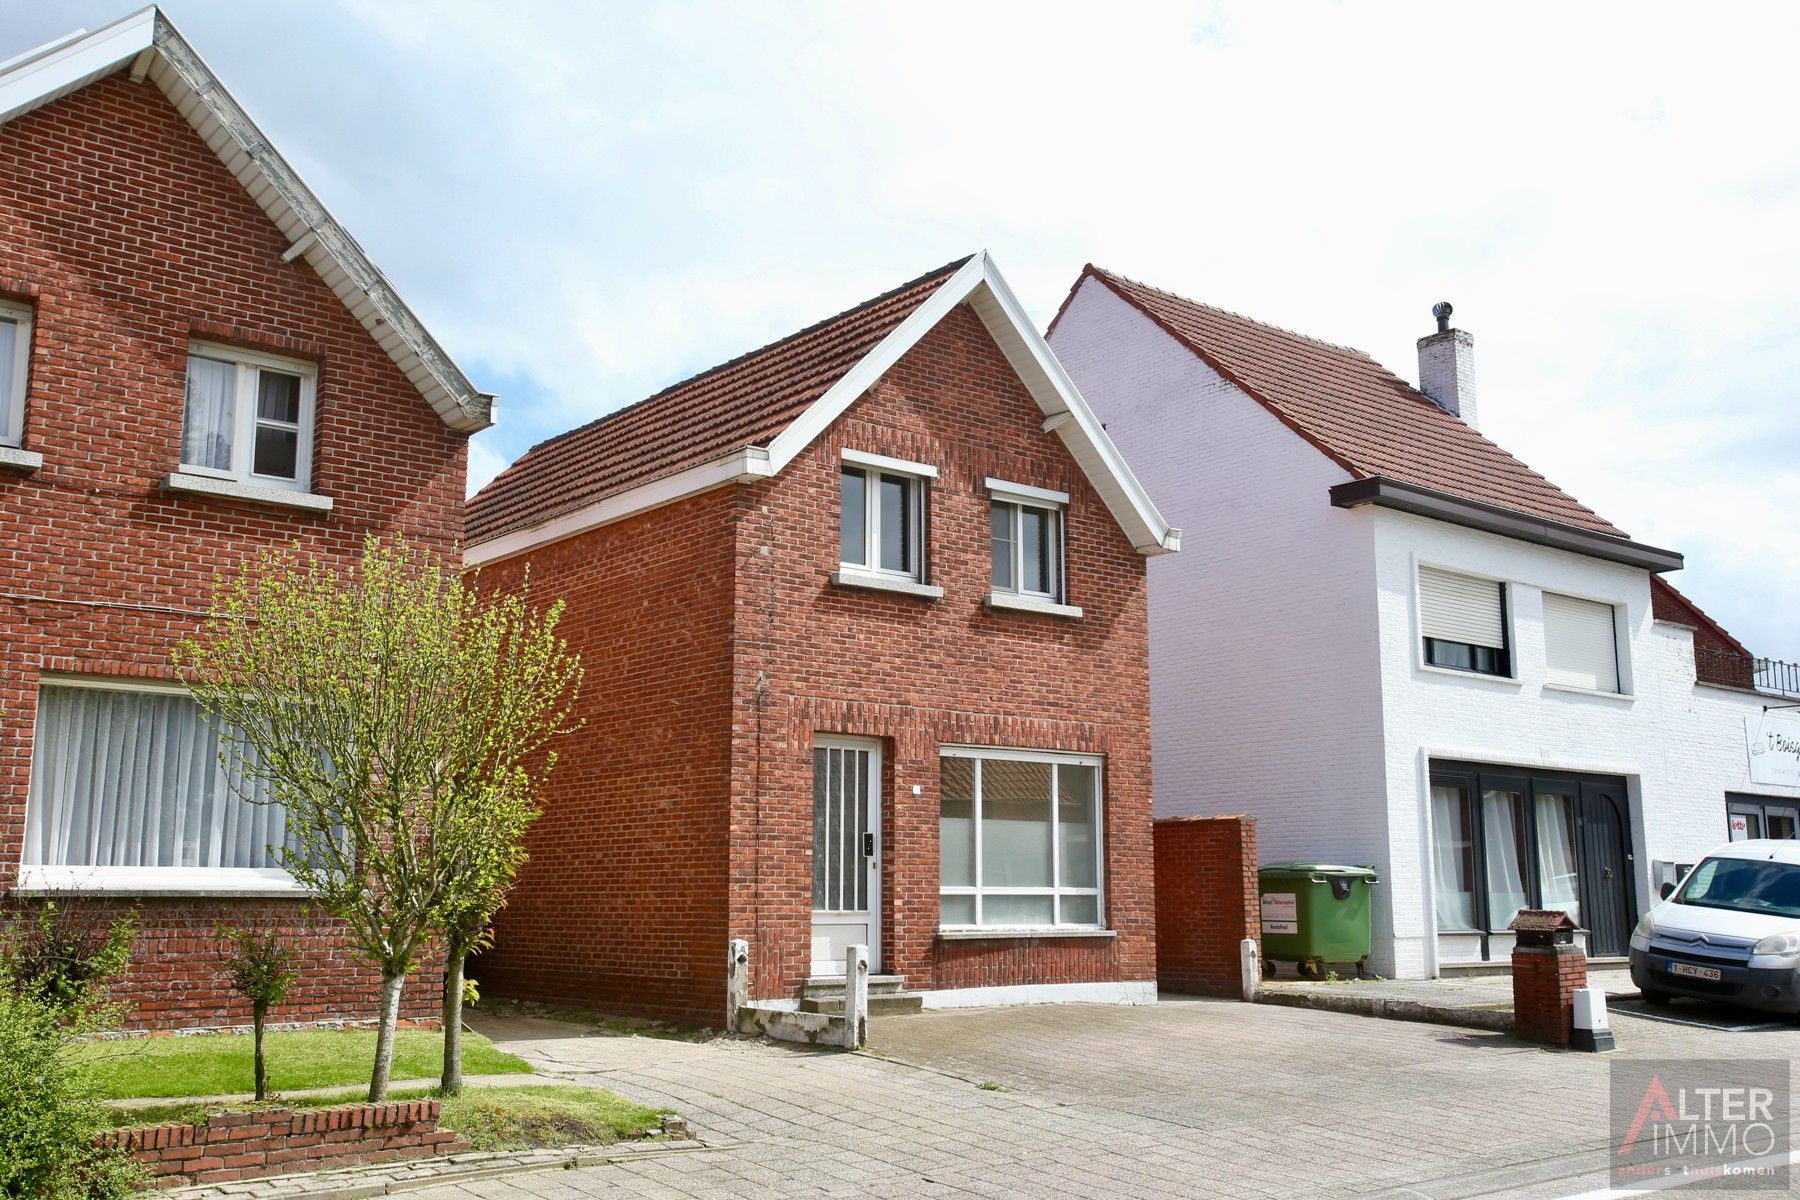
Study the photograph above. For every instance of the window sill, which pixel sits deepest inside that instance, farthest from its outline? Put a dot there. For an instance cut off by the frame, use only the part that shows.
(1574, 690)
(244, 883)
(23, 461)
(250, 493)
(882, 583)
(1475, 676)
(1052, 931)
(1031, 604)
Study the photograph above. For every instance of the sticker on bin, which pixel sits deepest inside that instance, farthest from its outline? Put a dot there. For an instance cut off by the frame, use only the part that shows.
(1280, 913)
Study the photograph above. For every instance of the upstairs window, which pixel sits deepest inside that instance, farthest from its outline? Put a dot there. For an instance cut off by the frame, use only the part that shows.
(1026, 526)
(1581, 643)
(15, 355)
(248, 418)
(1464, 622)
(882, 516)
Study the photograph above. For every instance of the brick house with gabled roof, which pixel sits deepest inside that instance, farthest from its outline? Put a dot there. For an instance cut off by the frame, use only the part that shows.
(1402, 646)
(196, 362)
(863, 619)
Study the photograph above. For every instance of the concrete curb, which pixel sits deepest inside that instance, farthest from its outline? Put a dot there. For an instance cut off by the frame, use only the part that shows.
(1493, 1020)
(388, 1179)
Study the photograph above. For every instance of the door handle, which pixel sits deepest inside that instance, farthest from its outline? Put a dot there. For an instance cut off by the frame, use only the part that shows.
(1606, 873)
(868, 845)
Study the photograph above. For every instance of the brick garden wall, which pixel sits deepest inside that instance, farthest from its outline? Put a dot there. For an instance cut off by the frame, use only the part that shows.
(1206, 902)
(918, 674)
(279, 1141)
(128, 238)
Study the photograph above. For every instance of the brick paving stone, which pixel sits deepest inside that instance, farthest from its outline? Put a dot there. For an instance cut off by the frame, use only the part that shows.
(1177, 1099)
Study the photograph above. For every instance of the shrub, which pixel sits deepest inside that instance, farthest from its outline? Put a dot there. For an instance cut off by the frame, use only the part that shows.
(66, 955)
(262, 968)
(53, 973)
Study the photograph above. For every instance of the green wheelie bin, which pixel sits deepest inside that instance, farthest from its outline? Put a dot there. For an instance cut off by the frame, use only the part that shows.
(1314, 914)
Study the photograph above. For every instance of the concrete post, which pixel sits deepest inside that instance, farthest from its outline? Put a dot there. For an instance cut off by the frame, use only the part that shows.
(856, 997)
(737, 981)
(1249, 967)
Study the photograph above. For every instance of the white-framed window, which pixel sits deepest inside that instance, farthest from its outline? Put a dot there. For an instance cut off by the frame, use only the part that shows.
(15, 364)
(249, 417)
(881, 522)
(1463, 620)
(1019, 839)
(1026, 531)
(127, 786)
(1581, 643)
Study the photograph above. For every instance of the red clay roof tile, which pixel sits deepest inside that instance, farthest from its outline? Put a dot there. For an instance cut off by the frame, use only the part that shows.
(744, 402)
(1353, 409)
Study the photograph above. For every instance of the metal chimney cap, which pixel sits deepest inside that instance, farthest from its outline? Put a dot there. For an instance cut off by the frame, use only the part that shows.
(1442, 310)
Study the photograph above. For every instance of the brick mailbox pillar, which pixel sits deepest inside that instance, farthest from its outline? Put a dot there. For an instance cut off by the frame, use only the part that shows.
(1547, 970)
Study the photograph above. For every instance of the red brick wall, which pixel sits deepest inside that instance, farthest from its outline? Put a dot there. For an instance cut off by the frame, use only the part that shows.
(175, 980)
(128, 237)
(813, 658)
(622, 903)
(1545, 980)
(279, 1141)
(1206, 902)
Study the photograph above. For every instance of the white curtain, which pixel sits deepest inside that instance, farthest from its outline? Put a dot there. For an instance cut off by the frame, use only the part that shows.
(207, 429)
(9, 352)
(1502, 818)
(1452, 852)
(133, 779)
(1556, 854)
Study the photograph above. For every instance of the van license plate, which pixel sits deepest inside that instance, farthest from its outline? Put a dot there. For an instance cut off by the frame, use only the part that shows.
(1711, 974)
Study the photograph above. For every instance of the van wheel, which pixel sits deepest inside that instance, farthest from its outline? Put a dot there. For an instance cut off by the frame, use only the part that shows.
(1659, 999)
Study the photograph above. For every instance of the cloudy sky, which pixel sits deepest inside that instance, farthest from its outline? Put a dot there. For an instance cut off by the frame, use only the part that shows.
(587, 202)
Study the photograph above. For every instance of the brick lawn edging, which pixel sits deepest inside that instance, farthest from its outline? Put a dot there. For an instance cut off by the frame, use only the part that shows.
(248, 1145)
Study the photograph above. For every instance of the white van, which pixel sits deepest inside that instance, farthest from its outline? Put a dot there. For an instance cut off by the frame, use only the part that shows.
(1730, 932)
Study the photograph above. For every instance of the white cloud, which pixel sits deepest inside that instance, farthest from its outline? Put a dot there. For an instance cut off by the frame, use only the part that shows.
(588, 202)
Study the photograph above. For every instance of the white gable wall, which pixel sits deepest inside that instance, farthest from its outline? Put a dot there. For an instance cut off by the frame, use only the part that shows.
(1263, 632)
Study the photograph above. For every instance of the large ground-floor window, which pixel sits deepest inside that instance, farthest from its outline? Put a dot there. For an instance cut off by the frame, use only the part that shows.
(1504, 838)
(1019, 839)
(130, 778)
(1749, 817)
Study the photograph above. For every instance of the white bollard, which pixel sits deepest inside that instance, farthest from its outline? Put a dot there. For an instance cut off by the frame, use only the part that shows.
(856, 997)
(1249, 967)
(737, 981)
(1592, 1030)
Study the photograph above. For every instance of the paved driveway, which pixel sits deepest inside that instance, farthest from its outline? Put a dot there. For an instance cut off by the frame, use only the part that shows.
(1180, 1099)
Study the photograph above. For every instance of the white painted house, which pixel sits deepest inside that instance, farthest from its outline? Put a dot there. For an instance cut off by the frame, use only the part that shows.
(1395, 644)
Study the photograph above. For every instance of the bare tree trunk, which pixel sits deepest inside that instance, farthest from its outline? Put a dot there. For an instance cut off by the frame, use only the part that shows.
(259, 1015)
(384, 1036)
(451, 1083)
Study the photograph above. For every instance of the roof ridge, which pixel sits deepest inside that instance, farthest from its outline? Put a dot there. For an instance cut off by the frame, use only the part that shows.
(816, 326)
(1238, 316)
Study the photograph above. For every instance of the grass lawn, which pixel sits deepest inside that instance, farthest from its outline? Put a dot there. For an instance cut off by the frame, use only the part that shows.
(496, 1118)
(220, 1064)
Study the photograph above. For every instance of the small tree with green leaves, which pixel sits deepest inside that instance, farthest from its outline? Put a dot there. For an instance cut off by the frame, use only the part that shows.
(390, 710)
(262, 966)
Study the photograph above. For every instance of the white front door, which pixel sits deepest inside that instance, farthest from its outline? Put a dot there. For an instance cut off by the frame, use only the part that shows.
(846, 864)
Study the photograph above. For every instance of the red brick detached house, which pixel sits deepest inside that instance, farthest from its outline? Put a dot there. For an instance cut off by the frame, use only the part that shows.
(196, 362)
(863, 618)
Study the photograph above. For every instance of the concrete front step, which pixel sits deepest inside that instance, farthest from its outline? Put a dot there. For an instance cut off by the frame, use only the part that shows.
(825, 986)
(881, 1004)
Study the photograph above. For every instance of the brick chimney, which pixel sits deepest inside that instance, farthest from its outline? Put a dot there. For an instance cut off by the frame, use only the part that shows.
(1447, 367)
